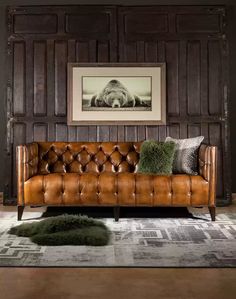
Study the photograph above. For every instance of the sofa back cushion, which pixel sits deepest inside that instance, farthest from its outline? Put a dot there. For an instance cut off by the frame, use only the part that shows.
(80, 157)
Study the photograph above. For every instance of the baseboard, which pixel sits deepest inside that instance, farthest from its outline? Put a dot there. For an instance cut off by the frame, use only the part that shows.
(1, 198)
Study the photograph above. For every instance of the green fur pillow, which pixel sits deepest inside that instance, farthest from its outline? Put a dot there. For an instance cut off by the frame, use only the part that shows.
(156, 157)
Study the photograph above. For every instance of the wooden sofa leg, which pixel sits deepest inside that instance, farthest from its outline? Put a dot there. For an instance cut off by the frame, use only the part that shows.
(212, 211)
(20, 210)
(116, 213)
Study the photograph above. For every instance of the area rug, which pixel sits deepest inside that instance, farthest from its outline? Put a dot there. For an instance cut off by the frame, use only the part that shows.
(149, 242)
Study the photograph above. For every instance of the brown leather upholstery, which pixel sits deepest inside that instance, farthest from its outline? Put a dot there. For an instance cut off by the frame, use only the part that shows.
(116, 189)
(27, 166)
(105, 174)
(207, 169)
(82, 157)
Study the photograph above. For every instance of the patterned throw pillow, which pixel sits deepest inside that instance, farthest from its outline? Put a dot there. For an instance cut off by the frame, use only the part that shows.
(186, 154)
(156, 157)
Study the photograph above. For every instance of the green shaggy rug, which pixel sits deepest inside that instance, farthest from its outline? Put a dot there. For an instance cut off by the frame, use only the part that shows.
(65, 230)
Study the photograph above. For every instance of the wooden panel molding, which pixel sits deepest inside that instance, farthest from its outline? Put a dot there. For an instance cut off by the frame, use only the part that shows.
(198, 23)
(19, 79)
(92, 22)
(35, 23)
(146, 23)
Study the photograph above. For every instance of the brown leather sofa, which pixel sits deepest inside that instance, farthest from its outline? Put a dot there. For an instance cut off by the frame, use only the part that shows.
(105, 174)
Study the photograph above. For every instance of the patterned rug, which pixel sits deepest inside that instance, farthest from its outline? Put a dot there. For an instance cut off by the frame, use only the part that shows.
(150, 242)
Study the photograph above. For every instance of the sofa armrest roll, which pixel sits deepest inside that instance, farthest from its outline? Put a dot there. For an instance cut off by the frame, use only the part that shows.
(27, 166)
(208, 168)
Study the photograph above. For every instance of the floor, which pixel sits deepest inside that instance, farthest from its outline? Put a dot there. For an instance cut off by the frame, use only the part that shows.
(117, 283)
(27, 283)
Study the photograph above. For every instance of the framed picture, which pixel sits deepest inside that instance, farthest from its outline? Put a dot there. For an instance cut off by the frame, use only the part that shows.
(116, 93)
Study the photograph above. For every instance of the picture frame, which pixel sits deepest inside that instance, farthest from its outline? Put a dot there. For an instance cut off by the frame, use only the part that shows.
(116, 93)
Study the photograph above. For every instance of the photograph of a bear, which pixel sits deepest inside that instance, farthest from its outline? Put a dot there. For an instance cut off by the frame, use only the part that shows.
(115, 95)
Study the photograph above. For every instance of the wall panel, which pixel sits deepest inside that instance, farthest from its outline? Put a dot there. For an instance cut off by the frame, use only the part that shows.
(93, 133)
(113, 131)
(103, 133)
(40, 78)
(204, 82)
(214, 77)
(194, 130)
(151, 132)
(151, 52)
(198, 23)
(60, 77)
(172, 64)
(50, 75)
(35, 23)
(29, 77)
(82, 51)
(145, 23)
(193, 75)
(40, 131)
(103, 52)
(19, 78)
(61, 132)
(130, 133)
(81, 23)
(82, 133)
(173, 130)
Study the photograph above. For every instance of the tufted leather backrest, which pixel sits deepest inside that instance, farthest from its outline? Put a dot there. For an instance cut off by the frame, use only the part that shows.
(80, 157)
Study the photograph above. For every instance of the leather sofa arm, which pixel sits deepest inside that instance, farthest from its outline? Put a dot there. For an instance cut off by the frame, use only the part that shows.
(208, 168)
(27, 166)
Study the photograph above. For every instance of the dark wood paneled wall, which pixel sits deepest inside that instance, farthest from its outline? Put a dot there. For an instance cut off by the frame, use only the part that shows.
(190, 39)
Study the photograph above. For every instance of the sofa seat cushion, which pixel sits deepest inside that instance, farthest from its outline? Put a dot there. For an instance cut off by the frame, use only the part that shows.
(125, 189)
